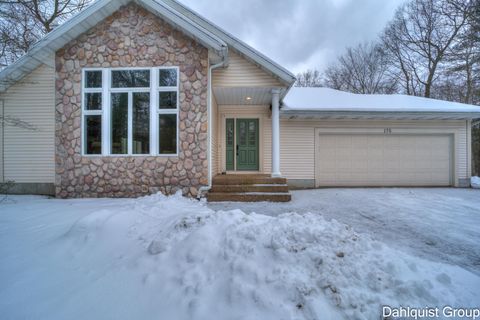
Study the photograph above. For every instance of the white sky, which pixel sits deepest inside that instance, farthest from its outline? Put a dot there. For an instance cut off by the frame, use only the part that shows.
(299, 34)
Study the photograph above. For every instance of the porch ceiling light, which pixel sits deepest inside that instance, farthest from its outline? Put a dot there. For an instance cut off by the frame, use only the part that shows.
(248, 98)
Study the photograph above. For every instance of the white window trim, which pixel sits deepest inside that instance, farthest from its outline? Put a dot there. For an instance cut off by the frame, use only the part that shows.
(155, 111)
(159, 111)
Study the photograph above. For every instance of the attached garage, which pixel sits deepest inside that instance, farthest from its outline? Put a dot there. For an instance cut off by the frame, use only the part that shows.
(380, 160)
(337, 139)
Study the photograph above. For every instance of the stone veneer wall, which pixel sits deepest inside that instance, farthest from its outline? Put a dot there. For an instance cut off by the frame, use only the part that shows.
(131, 37)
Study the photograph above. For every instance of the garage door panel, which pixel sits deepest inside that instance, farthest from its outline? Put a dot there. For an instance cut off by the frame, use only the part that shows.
(440, 166)
(391, 165)
(344, 165)
(359, 166)
(383, 160)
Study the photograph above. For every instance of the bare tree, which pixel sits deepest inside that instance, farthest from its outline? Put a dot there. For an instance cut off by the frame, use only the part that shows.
(460, 79)
(309, 78)
(9, 121)
(362, 69)
(24, 22)
(419, 38)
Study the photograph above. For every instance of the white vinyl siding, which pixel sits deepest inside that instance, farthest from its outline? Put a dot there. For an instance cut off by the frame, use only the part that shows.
(29, 156)
(242, 73)
(297, 155)
(297, 141)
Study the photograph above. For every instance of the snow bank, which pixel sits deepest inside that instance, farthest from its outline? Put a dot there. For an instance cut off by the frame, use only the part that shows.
(475, 182)
(174, 258)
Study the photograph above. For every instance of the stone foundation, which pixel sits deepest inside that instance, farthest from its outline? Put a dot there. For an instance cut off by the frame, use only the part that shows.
(132, 37)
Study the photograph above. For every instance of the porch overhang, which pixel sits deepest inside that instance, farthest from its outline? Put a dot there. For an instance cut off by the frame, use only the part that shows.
(246, 95)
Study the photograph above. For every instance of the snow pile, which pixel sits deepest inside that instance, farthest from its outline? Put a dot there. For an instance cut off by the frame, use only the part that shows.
(475, 182)
(174, 258)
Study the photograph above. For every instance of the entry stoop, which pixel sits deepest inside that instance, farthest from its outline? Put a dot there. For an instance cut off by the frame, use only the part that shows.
(248, 188)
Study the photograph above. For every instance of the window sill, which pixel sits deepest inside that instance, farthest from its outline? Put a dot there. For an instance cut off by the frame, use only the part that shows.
(129, 155)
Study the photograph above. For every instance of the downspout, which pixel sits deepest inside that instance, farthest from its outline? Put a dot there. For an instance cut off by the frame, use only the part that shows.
(224, 62)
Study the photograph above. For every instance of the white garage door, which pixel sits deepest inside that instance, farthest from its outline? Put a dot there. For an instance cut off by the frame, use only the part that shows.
(383, 160)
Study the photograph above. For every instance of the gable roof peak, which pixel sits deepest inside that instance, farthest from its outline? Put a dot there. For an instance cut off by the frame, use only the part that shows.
(176, 14)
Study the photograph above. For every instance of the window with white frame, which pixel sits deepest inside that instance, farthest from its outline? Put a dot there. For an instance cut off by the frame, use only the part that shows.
(130, 111)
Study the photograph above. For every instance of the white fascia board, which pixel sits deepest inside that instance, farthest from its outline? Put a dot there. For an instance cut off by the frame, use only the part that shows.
(254, 55)
(182, 22)
(44, 46)
(74, 27)
(315, 114)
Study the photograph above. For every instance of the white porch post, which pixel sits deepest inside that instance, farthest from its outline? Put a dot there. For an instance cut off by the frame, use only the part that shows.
(276, 133)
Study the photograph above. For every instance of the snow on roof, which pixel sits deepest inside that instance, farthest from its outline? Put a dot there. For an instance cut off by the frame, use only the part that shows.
(326, 99)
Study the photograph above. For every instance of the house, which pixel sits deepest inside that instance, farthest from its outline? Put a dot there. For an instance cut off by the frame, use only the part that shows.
(133, 97)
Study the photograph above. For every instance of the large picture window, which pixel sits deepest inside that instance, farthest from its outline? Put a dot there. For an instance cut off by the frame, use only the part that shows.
(130, 111)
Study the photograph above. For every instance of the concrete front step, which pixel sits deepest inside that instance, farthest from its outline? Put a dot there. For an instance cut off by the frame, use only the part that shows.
(249, 196)
(242, 179)
(249, 188)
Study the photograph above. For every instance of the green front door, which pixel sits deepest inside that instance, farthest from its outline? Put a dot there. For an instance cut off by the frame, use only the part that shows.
(247, 144)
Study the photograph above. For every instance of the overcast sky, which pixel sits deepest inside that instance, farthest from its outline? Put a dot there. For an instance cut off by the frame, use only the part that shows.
(299, 34)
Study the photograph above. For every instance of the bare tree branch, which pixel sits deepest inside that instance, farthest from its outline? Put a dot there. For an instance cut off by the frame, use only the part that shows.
(421, 36)
(24, 22)
(362, 69)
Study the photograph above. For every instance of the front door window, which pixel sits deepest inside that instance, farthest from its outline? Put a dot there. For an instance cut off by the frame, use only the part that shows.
(230, 143)
(242, 144)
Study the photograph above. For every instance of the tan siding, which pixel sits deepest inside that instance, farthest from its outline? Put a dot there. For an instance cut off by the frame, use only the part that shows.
(214, 132)
(297, 152)
(242, 73)
(29, 155)
(297, 142)
(462, 152)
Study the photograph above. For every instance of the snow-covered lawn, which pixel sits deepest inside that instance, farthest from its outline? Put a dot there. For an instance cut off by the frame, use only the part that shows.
(173, 258)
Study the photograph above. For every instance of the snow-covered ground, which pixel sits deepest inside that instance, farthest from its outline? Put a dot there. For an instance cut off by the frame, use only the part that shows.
(475, 182)
(174, 258)
(439, 224)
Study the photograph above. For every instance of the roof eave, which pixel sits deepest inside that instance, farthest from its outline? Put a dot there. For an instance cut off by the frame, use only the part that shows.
(44, 48)
(263, 61)
(206, 37)
(408, 115)
(8, 76)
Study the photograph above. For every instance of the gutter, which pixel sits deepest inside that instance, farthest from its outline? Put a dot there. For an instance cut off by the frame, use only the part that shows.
(224, 62)
(318, 114)
(275, 68)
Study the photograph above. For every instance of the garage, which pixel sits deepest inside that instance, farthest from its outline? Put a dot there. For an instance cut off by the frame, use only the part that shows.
(331, 138)
(383, 160)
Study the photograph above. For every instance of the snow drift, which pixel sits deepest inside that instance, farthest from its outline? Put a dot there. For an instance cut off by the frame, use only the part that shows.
(475, 182)
(172, 258)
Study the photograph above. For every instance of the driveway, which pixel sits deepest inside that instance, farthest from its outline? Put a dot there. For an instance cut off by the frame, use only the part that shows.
(439, 224)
